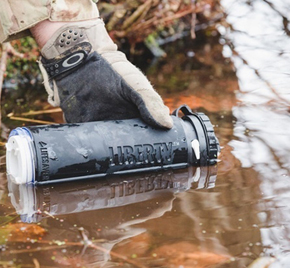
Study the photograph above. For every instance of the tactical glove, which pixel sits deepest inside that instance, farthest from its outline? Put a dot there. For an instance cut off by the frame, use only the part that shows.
(90, 80)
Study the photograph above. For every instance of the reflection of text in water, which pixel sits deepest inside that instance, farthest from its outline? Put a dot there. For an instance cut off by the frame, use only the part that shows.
(147, 184)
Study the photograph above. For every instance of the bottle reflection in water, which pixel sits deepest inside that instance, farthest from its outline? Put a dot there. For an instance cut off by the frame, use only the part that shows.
(35, 202)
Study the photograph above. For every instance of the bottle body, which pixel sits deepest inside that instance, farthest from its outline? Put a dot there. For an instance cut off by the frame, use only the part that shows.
(95, 149)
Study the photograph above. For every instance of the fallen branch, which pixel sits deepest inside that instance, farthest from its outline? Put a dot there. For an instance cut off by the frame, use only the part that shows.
(31, 120)
(49, 111)
(154, 21)
(142, 26)
(140, 10)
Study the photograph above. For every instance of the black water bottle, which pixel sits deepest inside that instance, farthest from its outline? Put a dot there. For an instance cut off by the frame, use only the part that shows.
(66, 152)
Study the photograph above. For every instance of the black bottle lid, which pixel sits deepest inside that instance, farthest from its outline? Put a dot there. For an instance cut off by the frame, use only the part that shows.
(208, 143)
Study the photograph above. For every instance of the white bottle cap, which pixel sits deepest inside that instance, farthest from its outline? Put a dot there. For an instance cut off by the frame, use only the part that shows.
(19, 157)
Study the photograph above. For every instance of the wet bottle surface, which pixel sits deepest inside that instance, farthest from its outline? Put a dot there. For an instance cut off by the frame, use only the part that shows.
(94, 149)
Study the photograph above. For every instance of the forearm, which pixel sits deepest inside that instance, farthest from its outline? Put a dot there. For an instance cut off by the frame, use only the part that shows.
(43, 31)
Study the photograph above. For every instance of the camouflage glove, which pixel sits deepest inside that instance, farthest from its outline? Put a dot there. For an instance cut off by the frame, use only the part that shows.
(90, 80)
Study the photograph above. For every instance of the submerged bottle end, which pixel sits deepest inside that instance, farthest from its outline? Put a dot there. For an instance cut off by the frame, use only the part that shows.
(19, 159)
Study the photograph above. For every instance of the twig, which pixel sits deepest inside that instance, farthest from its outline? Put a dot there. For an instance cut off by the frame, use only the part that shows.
(142, 26)
(36, 263)
(8, 221)
(193, 20)
(22, 251)
(11, 50)
(50, 111)
(114, 254)
(3, 157)
(154, 21)
(88, 243)
(31, 120)
(140, 10)
(50, 215)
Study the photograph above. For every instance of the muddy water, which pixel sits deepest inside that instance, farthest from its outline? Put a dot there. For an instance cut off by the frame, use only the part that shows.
(224, 216)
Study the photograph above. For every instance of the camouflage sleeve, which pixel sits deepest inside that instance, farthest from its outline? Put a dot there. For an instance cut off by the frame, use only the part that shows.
(16, 17)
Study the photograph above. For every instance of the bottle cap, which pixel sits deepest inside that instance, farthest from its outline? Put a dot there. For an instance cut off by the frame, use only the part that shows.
(19, 156)
(206, 147)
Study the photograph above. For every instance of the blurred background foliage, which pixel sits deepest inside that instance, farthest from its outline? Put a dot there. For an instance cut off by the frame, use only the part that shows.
(135, 25)
(143, 29)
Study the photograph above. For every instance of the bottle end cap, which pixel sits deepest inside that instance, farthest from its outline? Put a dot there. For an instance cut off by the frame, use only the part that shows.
(19, 160)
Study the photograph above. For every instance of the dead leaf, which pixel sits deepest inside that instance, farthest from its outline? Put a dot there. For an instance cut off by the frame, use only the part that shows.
(137, 245)
(23, 232)
(188, 255)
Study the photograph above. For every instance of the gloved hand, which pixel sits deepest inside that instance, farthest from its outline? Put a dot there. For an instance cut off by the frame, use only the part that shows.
(90, 80)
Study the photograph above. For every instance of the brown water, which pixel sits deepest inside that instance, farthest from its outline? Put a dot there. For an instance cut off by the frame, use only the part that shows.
(224, 216)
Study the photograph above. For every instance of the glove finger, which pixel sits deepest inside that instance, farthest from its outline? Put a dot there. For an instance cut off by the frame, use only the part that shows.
(151, 108)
